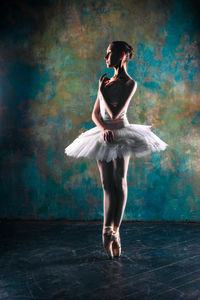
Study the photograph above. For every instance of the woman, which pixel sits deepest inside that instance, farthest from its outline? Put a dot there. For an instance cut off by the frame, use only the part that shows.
(114, 140)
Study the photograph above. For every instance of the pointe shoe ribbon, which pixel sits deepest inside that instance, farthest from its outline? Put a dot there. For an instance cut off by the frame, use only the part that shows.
(116, 245)
(107, 239)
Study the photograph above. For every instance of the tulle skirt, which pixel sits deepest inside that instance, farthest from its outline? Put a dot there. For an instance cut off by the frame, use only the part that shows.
(133, 139)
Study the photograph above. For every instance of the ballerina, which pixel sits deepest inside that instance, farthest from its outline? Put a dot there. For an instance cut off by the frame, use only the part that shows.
(112, 142)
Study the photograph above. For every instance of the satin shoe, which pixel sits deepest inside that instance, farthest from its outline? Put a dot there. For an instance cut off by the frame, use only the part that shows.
(107, 239)
(116, 245)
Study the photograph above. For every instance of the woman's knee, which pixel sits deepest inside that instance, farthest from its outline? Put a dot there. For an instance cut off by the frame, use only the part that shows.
(108, 184)
(106, 172)
(120, 182)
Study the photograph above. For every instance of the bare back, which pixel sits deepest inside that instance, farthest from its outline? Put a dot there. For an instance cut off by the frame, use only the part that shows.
(118, 93)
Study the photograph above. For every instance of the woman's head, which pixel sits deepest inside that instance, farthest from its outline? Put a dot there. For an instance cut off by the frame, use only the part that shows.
(119, 52)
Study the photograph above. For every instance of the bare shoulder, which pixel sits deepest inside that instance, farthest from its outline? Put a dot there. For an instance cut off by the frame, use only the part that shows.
(131, 85)
(131, 82)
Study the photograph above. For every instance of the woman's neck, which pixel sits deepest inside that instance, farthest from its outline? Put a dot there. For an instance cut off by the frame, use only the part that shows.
(119, 76)
(120, 73)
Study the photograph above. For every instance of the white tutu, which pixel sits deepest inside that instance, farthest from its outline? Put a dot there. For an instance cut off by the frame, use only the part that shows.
(134, 139)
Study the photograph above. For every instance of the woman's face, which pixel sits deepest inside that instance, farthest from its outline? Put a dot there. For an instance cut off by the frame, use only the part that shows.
(112, 57)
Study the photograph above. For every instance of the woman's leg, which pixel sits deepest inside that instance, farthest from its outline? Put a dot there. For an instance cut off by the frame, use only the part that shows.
(120, 175)
(106, 170)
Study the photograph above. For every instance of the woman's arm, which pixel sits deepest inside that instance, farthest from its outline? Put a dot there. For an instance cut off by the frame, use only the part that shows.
(107, 106)
(95, 115)
(102, 82)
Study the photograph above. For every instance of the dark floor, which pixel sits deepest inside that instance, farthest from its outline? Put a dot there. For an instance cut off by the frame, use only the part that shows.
(60, 260)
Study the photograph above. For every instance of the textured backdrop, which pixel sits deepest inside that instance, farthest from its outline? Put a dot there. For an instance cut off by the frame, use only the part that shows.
(52, 55)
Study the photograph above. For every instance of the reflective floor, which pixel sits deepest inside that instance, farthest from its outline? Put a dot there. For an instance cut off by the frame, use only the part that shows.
(60, 260)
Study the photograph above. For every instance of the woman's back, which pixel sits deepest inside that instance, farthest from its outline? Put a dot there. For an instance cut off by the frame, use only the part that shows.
(116, 94)
(104, 114)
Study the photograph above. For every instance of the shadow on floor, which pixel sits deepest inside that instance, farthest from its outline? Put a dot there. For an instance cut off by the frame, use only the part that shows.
(61, 260)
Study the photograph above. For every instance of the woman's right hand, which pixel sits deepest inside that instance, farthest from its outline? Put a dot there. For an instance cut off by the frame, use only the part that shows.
(108, 135)
(103, 81)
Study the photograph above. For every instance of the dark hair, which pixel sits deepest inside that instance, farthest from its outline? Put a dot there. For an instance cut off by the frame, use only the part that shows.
(123, 46)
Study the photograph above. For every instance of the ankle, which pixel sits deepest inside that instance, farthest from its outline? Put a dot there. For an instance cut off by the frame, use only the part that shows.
(107, 229)
(116, 229)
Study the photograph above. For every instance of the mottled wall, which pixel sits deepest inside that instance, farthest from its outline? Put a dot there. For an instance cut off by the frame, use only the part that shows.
(52, 55)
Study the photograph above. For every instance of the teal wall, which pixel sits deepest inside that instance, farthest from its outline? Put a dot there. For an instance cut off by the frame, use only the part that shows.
(52, 55)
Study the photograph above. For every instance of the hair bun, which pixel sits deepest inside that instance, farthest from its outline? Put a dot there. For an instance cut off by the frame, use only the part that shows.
(131, 51)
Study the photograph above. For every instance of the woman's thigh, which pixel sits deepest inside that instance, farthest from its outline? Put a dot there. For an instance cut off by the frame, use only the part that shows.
(106, 170)
(115, 170)
(121, 169)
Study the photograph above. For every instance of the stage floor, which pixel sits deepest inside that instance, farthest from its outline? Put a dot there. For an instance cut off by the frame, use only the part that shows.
(61, 260)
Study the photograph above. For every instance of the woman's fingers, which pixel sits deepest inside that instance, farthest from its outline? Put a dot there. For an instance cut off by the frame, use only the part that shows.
(113, 135)
(109, 136)
(102, 76)
(104, 81)
(107, 82)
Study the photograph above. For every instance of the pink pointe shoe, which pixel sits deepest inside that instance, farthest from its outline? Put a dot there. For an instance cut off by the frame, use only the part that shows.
(107, 239)
(116, 245)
